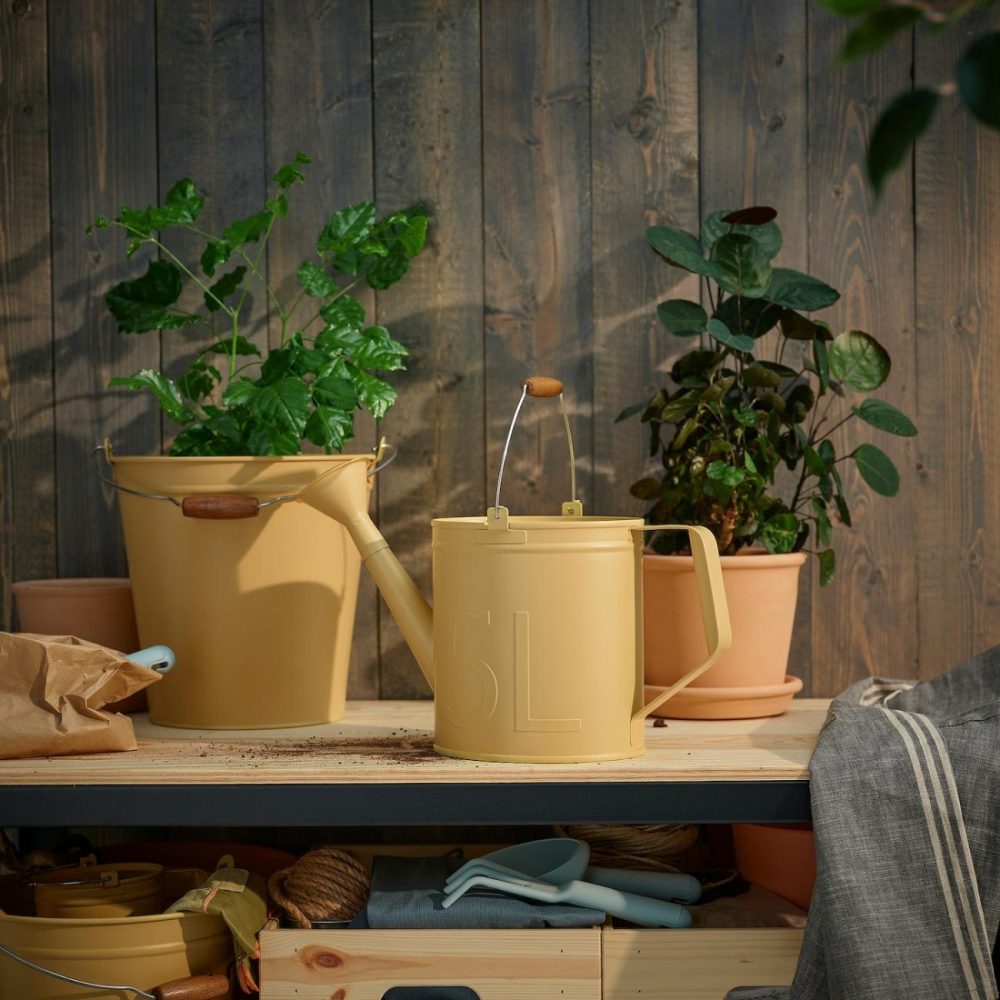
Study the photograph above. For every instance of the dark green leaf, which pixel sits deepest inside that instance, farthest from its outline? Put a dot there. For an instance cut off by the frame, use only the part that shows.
(896, 131)
(747, 271)
(376, 396)
(278, 206)
(827, 565)
(885, 417)
(387, 270)
(753, 317)
(824, 529)
(329, 427)
(335, 392)
(795, 326)
(814, 463)
(843, 511)
(683, 250)
(219, 435)
(289, 174)
(758, 377)
(199, 379)
(223, 288)
(978, 78)
(859, 361)
(343, 313)
(799, 291)
(748, 417)
(631, 411)
(822, 359)
(647, 489)
(270, 439)
(142, 305)
(687, 429)
(718, 330)
(693, 364)
(346, 229)
(876, 29)
(780, 533)
(216, 253)
(283, 404)
(182, 205)
(243, 346)
(314, 281)
(766, 236)
(877, 470)
(163, 388)
(247, 230)
(101, 222)
(681, 317)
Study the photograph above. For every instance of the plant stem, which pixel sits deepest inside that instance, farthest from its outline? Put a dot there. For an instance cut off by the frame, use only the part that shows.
(839, 423)
(239, 305)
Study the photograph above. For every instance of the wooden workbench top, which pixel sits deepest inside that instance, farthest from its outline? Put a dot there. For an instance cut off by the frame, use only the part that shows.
(391, 741)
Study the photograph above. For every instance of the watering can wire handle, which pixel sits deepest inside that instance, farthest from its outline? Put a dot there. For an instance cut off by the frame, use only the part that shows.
(712, 599)
(542, 386)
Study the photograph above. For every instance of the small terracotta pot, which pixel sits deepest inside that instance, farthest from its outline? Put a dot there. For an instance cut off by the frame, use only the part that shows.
(780, 857)
(98, 609)
(761, 590)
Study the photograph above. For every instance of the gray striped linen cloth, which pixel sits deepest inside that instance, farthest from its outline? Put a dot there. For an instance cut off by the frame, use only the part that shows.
(905, 786)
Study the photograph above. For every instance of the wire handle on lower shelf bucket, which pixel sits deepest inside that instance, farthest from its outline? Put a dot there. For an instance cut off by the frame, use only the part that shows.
(210, 987)
(228, 506)
(542, 387)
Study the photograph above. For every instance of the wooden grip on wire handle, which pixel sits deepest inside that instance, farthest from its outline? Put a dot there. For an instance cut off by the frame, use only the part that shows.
(220, 506)
(194, 988)
(542, 386)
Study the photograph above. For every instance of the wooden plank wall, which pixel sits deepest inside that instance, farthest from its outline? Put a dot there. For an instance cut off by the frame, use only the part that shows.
(544, 135)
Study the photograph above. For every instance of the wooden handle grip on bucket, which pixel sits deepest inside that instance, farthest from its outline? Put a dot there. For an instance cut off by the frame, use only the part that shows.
(542, 385)
(194, 988)
(220, 506)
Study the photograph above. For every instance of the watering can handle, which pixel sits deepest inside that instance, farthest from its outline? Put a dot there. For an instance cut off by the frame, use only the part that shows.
(712, 599)
(194, 988)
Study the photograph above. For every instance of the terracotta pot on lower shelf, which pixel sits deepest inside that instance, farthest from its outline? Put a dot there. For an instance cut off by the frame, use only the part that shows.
(750, 680)
(98, 609)
(780, 857)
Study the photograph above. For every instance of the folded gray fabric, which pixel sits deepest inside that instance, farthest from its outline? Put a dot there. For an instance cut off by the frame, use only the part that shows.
(407, 893)
(905, 786)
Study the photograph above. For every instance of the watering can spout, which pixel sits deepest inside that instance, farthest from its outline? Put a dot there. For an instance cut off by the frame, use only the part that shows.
(333, 494)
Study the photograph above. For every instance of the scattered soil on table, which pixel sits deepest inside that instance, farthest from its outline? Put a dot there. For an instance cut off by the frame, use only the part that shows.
(388, 749)
(659, 723)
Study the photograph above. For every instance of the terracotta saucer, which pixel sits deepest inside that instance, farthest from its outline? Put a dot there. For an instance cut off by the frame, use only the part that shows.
(727, 702)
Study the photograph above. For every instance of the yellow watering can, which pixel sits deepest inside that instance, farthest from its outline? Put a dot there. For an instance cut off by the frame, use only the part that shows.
(534, 648)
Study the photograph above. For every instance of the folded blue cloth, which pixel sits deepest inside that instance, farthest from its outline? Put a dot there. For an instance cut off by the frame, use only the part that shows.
(407, 893)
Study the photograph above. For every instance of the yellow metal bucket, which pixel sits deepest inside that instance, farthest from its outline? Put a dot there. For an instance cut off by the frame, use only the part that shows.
(256, 596)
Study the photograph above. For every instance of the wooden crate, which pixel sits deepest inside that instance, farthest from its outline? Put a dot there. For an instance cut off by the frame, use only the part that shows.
(496, 965)
(696, 964)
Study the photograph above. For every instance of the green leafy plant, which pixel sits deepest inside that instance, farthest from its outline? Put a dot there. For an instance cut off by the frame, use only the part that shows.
(733, 418)
(976, 82)
(231, 399)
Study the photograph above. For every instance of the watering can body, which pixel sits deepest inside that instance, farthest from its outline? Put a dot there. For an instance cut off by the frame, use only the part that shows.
(534, 648)
(535, 643)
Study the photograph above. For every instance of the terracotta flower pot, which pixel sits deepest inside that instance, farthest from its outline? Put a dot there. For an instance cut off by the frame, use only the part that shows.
(98, 609)
(750, 680)
(780, 857)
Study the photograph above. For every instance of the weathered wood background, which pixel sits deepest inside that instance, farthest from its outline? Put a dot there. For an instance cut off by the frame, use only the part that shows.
(544, 135)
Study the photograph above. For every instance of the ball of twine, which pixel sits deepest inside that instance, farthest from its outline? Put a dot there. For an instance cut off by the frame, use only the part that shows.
(324, 884)
(646, 848)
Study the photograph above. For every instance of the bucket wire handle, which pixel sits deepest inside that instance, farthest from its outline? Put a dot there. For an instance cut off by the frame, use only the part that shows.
(224, 506)
(190, 988)
(541, 386)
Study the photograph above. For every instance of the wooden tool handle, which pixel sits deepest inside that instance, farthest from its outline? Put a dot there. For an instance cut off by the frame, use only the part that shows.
(542, 385)
(220, 506)
(194, 988)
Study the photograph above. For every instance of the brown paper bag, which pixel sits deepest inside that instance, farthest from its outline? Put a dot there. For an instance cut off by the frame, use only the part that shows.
(53, 690)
